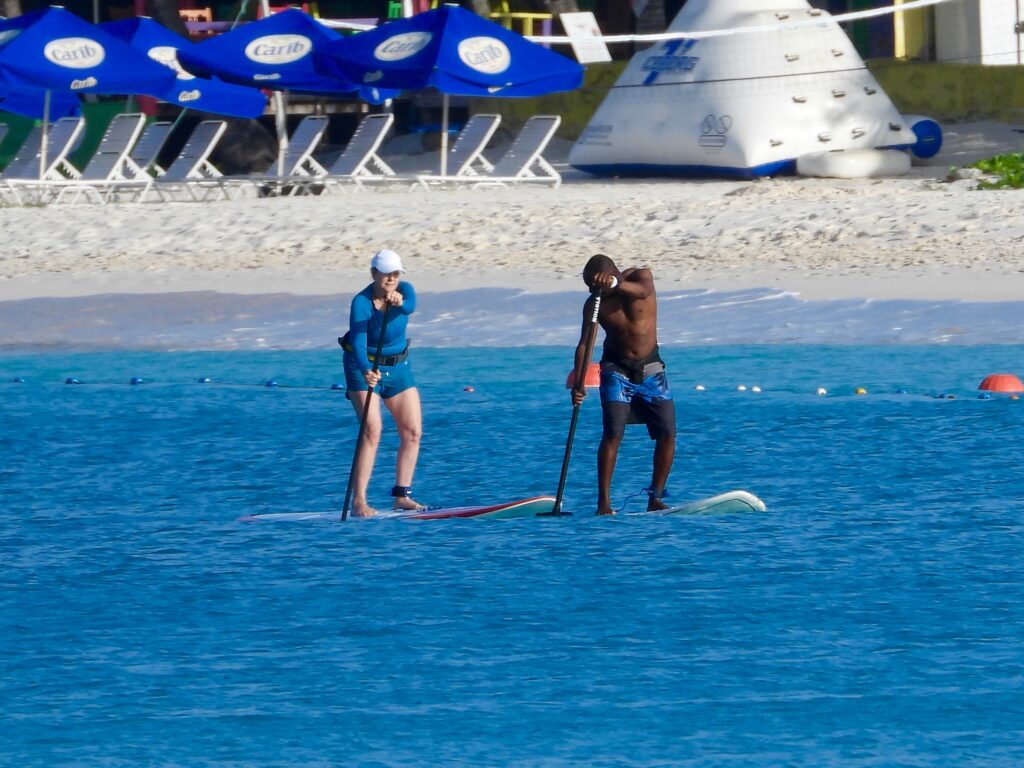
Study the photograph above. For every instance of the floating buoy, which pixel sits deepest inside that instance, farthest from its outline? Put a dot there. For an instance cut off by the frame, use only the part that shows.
(592, 379)
(270, 383)
(860, 391)
(901, 391)
(755, 389)
(468, 388)
(71, 380)
(821, 392)
(945, 396)
(203, 380)
(699, 388)
(1001, 382)
(984, 396)
(17, 380)
(741, 388)
(135, 381)
(1015, 397)
(337, 387)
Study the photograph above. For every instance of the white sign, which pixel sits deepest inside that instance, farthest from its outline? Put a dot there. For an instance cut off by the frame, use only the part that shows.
(485, 54)
(75, 52)
(278, 49)
(585, 37)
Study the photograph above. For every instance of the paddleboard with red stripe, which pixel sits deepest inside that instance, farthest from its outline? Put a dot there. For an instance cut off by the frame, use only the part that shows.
(531, 507)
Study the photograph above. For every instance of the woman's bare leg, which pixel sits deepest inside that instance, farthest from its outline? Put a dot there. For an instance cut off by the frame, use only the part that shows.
(408, 415)
(367, 453)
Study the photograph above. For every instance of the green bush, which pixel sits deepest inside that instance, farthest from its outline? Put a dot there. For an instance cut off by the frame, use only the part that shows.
(1008, 170)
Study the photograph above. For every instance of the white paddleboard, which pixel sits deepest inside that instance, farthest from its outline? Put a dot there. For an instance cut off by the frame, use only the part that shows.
(723, 504)
(532, 507)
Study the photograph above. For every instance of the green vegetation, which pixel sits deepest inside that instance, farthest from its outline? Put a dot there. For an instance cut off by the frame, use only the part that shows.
(1007, 170)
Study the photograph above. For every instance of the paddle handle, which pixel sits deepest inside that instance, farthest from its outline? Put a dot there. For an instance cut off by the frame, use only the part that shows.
(366, 414)
(579, 385)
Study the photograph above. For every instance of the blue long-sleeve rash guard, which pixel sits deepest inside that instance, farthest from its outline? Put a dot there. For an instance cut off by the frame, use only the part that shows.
(364, 323)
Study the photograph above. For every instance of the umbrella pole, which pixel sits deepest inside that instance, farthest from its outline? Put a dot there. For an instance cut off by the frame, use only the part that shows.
(281, 124)
(280, 118)
(46, 131)
(444, 135)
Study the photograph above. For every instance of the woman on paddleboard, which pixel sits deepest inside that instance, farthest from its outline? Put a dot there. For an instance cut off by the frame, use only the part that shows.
(392, 379)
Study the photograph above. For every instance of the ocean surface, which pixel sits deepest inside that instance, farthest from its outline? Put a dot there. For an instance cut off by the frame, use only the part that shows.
(872, 616)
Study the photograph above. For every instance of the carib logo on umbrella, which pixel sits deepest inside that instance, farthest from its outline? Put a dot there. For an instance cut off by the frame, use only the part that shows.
(485, 54)
(278, 49)
(398, 47)
(75, 52)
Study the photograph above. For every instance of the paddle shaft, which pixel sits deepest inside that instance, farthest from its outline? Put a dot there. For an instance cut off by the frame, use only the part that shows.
(366, 414)
(579, 385)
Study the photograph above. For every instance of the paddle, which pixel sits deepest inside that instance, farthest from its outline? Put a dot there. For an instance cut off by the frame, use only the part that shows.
(366, 413)
(579, 384)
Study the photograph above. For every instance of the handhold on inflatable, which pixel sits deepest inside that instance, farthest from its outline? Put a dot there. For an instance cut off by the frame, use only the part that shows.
(929, 136)
(1001, 382)
(592, 379)
(854, 163)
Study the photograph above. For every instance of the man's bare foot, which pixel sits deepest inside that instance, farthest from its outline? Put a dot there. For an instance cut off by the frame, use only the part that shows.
(407, 504)
(605, 511)
(363, 510)
(655, 505)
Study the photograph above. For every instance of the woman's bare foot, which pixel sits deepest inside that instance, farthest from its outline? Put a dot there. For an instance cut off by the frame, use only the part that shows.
(363, 510)
(406, 503)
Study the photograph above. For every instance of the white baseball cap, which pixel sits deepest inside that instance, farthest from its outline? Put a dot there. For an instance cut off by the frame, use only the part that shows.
(386, 262)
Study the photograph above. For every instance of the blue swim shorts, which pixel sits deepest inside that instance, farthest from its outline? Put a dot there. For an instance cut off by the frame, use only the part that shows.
(394, 379)
(648, 402)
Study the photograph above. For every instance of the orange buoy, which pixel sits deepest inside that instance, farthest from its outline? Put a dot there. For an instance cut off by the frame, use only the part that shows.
(593, 377)
(1002, 382)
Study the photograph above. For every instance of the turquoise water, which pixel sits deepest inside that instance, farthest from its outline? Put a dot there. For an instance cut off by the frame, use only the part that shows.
(871, 617)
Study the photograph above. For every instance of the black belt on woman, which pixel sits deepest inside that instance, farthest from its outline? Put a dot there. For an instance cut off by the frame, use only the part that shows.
(385, 361)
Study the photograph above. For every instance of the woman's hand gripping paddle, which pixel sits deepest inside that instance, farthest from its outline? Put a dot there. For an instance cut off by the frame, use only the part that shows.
(366, 413)
(579, 385)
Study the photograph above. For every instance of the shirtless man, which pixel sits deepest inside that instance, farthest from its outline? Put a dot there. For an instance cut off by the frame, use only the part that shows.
(634, 386)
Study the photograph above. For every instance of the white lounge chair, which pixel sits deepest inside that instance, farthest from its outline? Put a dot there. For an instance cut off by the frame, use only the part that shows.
(523, 161)
(144, 155)
(298, 160)
(62, 138)
(191, 172)
(110, 163)
(359, 161)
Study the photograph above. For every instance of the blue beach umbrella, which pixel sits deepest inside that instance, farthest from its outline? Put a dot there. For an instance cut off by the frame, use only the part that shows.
(54, 51)
(206, 94)
(275, 52)
(24, 99)
(455, 51)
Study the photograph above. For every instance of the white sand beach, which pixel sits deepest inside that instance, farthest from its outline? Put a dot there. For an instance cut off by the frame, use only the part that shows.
(918, 236)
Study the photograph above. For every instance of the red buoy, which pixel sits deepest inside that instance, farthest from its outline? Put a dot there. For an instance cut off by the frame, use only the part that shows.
(593, 377)
(1002, 382)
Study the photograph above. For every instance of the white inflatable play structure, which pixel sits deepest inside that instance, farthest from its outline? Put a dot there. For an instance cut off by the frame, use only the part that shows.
(793, 96)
